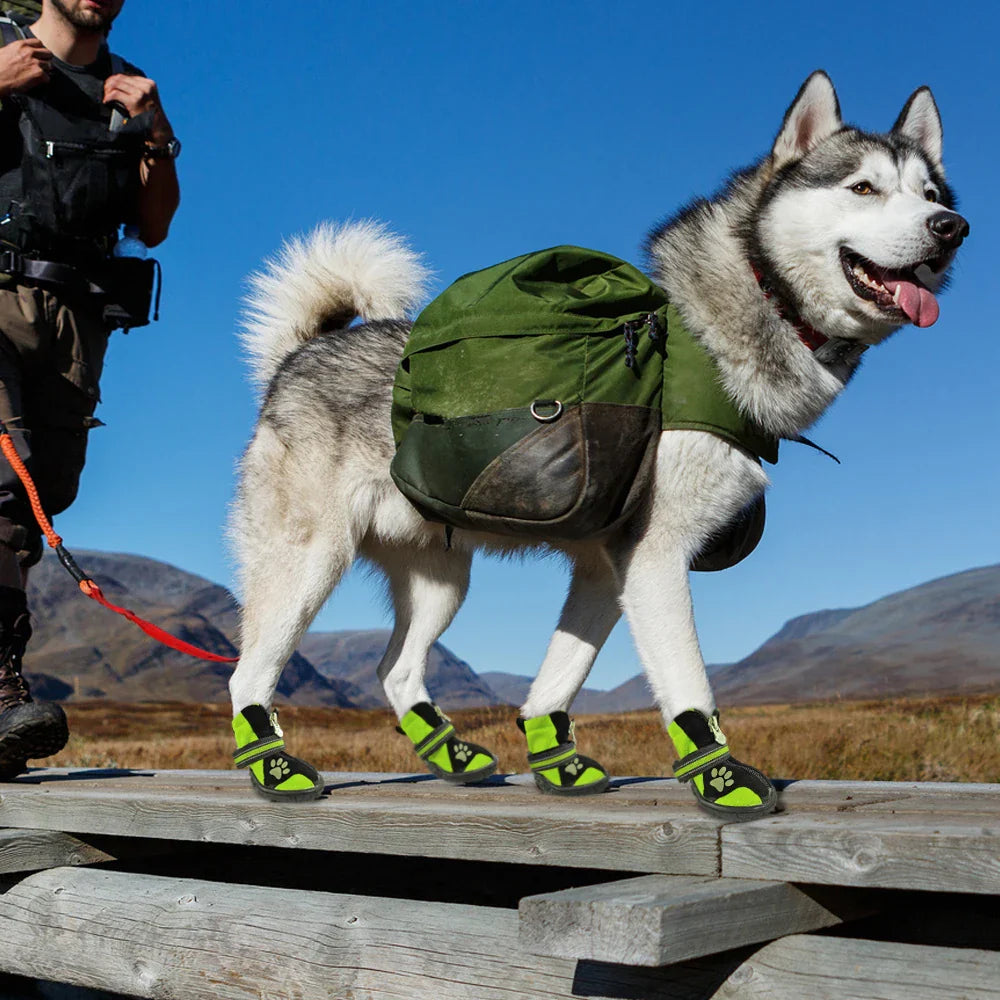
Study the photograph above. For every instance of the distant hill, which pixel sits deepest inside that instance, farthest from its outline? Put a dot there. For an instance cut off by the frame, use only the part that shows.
(352, 657)
(939, 637)
(633, 694)
(80, 647)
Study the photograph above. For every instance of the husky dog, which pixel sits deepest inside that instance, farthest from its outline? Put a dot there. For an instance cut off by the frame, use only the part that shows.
(820, 250)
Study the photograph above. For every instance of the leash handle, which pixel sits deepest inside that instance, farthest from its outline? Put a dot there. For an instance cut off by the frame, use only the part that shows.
(86, 584)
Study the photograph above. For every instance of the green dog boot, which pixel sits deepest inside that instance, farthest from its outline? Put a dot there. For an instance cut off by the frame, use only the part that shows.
(273, 773)
(552, 756)
(723, 786)
(445, 754)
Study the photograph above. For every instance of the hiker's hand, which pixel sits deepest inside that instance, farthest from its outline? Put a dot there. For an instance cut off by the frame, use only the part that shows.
(23, 64)
(138, 94)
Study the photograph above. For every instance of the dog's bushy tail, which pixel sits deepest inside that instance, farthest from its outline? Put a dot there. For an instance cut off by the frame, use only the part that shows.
(323, 281)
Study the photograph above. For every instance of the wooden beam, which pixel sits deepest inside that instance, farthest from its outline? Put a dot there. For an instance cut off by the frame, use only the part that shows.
(501, 822)
(832, 968)
(889, 797)
(908, 851)
(35, 850)
(156, 937)
(663, 919)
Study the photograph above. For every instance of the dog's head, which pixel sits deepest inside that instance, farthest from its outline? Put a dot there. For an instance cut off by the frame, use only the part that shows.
(857, 230)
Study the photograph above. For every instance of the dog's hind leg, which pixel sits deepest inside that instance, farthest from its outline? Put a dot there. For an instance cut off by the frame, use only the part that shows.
(588, 616)
(285, 595)
(428, 586)
(292, 552)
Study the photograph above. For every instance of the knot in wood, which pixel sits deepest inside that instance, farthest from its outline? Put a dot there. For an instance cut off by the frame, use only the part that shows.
(742, 975)
(665, 833)
(866, 853)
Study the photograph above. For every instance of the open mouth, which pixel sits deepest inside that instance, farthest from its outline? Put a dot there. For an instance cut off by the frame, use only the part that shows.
(897, 292)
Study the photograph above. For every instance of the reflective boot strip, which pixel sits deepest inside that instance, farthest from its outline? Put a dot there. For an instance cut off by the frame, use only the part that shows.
(701, 760)
(430, 743)
(257, 750)
(545, 759)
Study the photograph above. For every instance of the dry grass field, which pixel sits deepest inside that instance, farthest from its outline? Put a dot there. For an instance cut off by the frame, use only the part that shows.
(929, 739)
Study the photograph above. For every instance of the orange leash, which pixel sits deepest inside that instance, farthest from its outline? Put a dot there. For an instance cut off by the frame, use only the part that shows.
(86, 584)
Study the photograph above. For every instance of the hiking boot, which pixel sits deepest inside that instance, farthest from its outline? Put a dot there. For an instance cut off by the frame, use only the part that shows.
(444, 753)
(275, 774)
(28, 729)
(552, 756)
(722, 785)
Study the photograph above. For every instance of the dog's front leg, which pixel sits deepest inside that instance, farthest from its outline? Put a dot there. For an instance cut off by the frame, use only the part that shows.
(701, 484)
(656, 598)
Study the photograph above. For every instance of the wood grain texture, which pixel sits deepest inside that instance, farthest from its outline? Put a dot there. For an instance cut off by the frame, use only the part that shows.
(941, 853)
(501, 822)
(889, 797)
(803, 967)
(198, 940)
(35, 850)
(663, 919)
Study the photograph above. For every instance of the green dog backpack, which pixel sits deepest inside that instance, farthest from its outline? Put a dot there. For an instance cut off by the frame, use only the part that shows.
(531, 396)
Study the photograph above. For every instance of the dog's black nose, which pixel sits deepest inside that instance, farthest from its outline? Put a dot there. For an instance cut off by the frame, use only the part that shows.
(949, 227)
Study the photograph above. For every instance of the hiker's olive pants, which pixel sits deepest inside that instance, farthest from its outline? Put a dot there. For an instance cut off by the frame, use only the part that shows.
(51, 355)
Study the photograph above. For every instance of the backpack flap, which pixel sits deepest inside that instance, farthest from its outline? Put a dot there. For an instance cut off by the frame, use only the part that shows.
(527, 401)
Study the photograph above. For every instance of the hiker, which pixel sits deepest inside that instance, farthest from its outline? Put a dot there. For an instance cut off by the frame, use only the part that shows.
(85, 149)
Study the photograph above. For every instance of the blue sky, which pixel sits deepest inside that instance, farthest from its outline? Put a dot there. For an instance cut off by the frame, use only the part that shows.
(484, 130)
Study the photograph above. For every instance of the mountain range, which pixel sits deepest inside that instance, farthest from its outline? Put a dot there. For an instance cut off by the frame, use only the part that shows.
(939, 637)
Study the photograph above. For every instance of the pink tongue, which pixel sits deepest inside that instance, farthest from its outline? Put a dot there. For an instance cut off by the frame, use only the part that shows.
(916, 301)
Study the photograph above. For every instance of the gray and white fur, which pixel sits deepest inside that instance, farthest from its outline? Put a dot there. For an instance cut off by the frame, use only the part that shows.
(852, 234)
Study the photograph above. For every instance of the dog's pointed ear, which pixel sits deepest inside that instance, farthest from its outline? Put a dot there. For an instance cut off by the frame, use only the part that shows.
(920, 121)
(814, 115)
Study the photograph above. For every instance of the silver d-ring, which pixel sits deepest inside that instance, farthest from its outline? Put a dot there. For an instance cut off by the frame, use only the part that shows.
(546, 402)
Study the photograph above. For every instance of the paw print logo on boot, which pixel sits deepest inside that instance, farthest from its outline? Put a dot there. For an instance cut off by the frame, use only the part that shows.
(721, 779)
(461, 752)
(279, 768)
(574, 767)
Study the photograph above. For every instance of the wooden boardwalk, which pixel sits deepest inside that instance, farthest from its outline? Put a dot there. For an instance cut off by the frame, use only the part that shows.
(184, 884)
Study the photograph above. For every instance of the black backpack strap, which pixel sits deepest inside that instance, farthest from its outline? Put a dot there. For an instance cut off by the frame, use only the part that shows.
(10, 30)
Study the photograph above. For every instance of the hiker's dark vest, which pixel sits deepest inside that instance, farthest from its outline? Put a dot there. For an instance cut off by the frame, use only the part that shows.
(79, 179)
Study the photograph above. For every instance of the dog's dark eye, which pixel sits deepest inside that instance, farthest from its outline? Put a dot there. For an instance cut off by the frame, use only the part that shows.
(930, 194)
(863, 187)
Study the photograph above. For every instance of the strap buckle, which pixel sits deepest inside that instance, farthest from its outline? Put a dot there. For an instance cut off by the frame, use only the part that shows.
(11, 262)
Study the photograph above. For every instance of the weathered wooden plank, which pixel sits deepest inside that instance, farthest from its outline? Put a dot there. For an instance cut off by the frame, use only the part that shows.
(915, 851)
(155, 937)
(515, 827)
(34, 850)
(889, 797)
(159, 937)
(662, 919)
(804, 967)
(624, 792)
(648, 791)
(794, 796)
